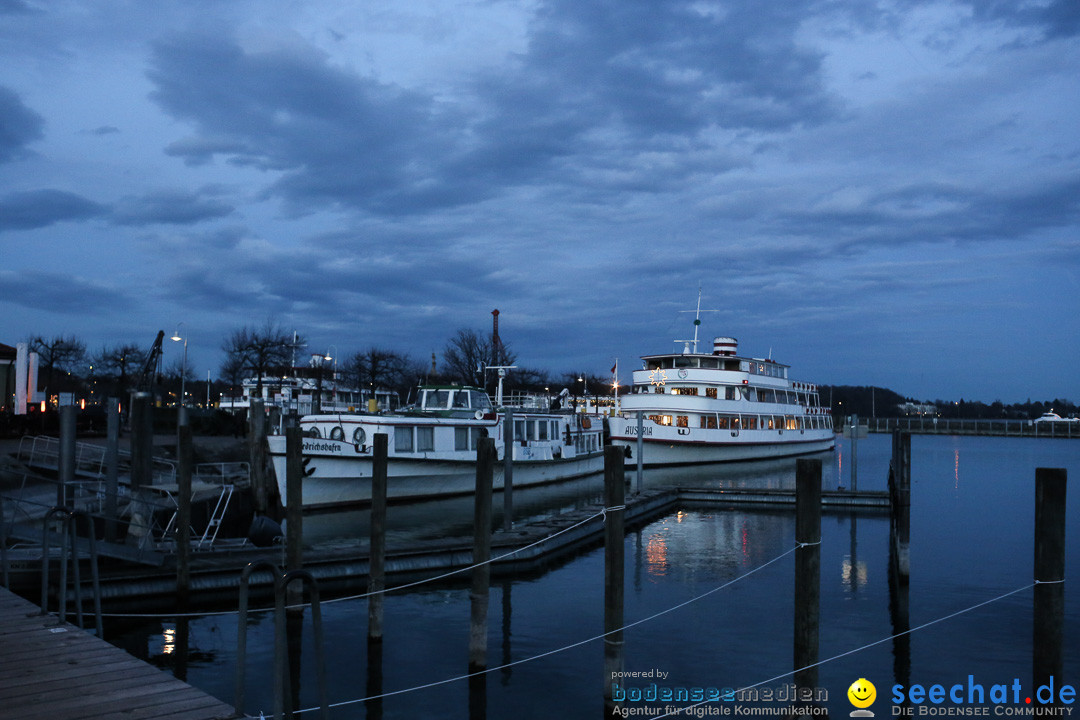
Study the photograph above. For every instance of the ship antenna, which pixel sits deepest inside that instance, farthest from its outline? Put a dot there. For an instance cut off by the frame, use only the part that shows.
(697, 322)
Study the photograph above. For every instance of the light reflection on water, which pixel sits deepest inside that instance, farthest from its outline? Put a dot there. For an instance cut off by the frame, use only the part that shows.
(970, 542)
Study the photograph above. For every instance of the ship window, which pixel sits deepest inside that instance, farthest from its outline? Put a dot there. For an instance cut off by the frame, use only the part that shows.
(682, 421)
(425, 439)
(664, 419)
(337, 433)
(730, 392)
(750, 422)
(403, 439)
(791, 422)
(708, 421)
(313, 432)
(519, 430)
(461, 399)
(359, 436)
(436, 399)
(722, 422)
(542, 426)
(710, 363)
(659, 389)
(684, 362)
(684, 391)
(461, 438)
(710, 392)
(480, 401)
(764, 395)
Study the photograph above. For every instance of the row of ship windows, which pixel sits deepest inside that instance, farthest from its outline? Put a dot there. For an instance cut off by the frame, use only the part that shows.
(747, 422)
(754, 394)
(408, 438)
(768, 369)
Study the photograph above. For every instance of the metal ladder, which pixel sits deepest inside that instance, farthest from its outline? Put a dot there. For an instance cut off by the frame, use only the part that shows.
(213, 527)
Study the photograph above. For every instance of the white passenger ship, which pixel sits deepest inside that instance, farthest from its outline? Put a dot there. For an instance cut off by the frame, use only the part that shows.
(432, 448)
(717, 407)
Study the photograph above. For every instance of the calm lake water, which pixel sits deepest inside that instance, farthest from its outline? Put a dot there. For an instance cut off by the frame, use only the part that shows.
(971, 541)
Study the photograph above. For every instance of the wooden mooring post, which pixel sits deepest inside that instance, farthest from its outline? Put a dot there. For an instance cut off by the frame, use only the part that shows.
(807, 571)
(142, 440)
(614, 570)
(481, 572)
(66, 460)
(112, 469)
(900, 500)
(257, 456)
(184, 466)
(294, 504)
(508, 471)
(377, 552)
(1049, 575)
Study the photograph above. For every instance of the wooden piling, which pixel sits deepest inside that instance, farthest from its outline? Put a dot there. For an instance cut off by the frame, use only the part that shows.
(294, 477)
(257, 456)
(1049, 603)
(184, 466)
(377, 567)
(481, 574)
(142, 440)
(900, 499)
(807, 570)
(640, 448)
(112, 469)
(66, 460)
(854, 463)
(508, 470)
(614, 569)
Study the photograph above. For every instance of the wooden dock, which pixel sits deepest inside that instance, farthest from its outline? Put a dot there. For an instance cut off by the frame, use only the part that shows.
(51, 670)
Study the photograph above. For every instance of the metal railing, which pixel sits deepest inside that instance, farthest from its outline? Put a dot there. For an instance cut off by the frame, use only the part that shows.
(960, 426)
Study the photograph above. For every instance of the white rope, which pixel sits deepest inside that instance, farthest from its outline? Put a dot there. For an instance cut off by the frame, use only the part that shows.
(557, 650)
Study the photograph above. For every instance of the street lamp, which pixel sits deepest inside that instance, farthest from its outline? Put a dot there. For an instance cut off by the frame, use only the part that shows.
(183, 365)
(333, 357)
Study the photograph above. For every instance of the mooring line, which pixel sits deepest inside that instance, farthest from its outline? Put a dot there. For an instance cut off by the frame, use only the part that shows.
(864, 647)
(556, 651)
(219, 613)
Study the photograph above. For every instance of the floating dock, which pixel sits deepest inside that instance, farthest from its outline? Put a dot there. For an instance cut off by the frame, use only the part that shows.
(51, 670)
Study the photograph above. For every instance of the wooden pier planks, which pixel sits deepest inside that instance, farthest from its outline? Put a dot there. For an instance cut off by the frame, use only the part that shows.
(49, 671)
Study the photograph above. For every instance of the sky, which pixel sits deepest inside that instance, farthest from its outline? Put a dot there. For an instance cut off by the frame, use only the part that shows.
(874, 192)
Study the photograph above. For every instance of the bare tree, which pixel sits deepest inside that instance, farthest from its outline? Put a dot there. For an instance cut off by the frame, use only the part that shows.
(376, 368)
(119, 365)
(261, 351)
(469, 352)
(63, 354)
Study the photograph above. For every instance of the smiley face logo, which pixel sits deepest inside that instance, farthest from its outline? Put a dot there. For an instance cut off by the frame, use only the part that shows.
(862, 693)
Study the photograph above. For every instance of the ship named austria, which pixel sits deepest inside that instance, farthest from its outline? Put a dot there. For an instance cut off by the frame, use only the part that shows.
(718, 407)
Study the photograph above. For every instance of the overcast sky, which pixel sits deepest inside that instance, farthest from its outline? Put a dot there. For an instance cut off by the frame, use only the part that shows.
(876, 192)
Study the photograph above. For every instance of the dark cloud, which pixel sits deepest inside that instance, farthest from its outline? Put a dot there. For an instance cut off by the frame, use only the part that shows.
(337, 137)
(598, 80)
(19, 125)
(169, 208)
(105, 130)
(66, 294)
(41, 208)
(16, 7)
(935, 213)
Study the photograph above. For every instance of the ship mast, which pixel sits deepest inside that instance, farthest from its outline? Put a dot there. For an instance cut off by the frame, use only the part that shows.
(688, 344)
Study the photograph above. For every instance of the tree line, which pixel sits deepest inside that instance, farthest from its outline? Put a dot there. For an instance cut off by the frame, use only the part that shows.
(870, 401)
(269, 351)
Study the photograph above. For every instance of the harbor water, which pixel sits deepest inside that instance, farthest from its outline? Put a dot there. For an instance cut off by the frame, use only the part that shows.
(708, 604)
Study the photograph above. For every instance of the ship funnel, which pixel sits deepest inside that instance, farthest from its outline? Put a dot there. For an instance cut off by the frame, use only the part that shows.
(724, 346)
